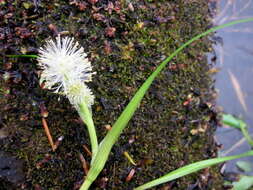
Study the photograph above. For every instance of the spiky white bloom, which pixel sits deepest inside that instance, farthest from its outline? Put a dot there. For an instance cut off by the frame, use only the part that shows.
(65, 68)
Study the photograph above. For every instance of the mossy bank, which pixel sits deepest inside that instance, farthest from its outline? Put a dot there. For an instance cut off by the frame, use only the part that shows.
(125, 41)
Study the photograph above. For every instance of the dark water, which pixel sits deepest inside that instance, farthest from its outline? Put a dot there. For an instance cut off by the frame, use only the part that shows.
(11, 169)
(234, 81)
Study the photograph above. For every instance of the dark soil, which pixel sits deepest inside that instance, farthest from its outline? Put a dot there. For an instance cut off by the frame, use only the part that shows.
(125, 41)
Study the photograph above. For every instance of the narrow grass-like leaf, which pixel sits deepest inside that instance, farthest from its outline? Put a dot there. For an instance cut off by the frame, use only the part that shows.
(22, 56)
(191, 168)
(244, 183)
(112, 136)
(247, 136)
(244, 166)
(231, 121)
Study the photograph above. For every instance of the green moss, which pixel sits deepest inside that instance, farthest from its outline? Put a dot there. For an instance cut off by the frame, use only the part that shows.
(161, 126)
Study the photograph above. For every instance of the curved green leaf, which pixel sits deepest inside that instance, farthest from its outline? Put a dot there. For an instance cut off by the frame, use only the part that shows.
(231, 121)
(244, 183)
(106, 145)
(191, 168)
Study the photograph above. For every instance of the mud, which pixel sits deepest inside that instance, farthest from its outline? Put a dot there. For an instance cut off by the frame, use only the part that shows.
(125, 41)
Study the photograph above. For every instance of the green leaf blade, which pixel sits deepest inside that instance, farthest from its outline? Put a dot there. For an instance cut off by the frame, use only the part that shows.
(23, 56)
(191, 168)
(244, 166)
(244, 183)
(232, 121)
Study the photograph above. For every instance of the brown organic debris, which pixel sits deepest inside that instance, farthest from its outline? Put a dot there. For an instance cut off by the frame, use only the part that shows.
(130, 175)
(102, 183)
(23, 32)
(53, 28)
(47, 131)
(43, 110)
(46, 159)
(24, 117)
(108, 127)
(201, 129)
(107, 47)
(87, 150)
(117, 7)
(37, 187)
(93, 1)
(84, 164)
(79, 4)
(110, 31)
(109, 7)
(98, 17)
(131, 7)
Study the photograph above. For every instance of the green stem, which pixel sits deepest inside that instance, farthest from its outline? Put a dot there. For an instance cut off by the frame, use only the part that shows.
(25, 56)
(86, 116)
(247, 136)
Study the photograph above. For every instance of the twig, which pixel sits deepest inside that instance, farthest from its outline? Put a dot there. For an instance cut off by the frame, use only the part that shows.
(50, 139)
(87, 150)
(84, 164)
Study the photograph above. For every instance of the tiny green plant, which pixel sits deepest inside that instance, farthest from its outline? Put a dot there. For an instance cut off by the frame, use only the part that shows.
(65, 70)
(245, 181)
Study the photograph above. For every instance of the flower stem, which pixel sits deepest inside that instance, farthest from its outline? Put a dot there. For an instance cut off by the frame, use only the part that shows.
(86, 185)
(86, 116)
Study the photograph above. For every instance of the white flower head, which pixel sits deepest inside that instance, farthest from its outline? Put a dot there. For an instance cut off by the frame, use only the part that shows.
(65, 68)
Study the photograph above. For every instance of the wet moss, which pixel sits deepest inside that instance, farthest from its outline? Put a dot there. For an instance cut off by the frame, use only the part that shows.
(160, 131)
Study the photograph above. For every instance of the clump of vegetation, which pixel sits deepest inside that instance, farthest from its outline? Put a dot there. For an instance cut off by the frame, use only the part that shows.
(115, 37)
(65, 68)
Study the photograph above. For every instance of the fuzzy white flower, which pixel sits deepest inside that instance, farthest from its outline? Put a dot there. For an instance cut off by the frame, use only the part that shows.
(65, 68)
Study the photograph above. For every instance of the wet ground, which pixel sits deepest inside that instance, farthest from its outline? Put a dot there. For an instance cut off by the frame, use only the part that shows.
(125, 41)
(11, 169)
(235, 78)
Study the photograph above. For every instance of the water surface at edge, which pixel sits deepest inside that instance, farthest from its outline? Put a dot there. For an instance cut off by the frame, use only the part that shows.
(234, 81)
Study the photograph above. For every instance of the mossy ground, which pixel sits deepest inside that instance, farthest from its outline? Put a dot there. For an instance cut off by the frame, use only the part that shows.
(125, 41)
